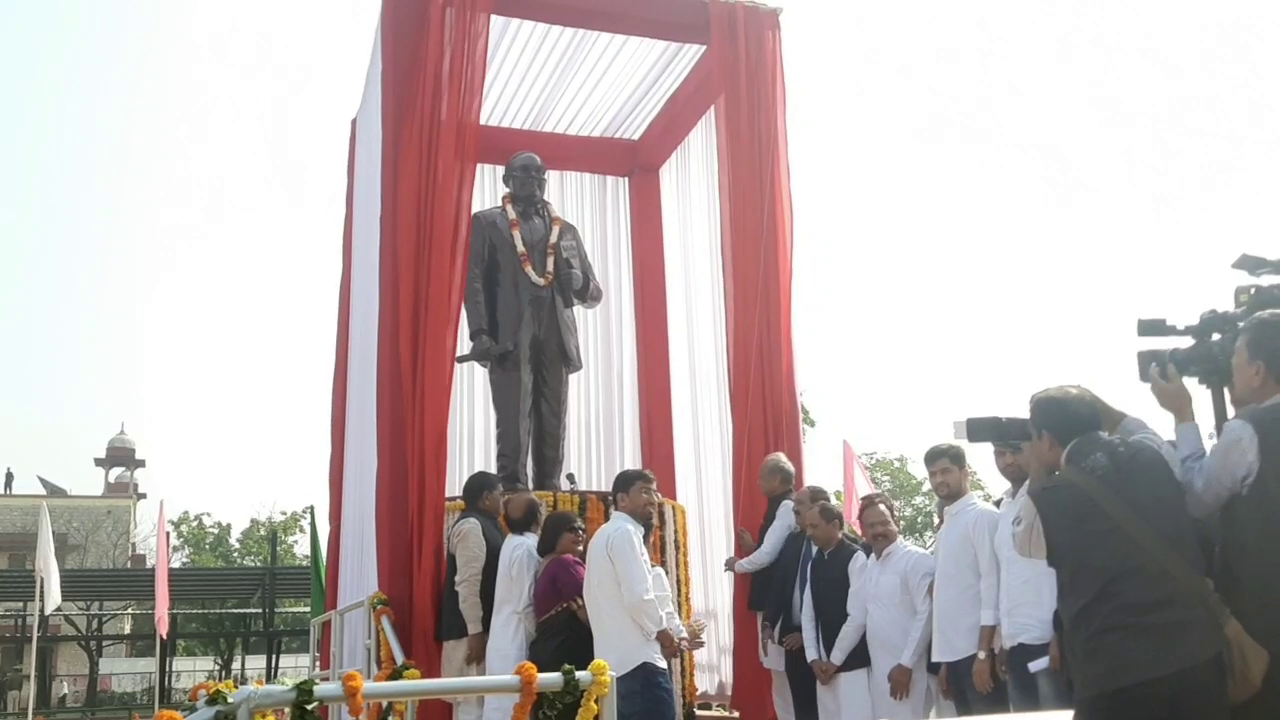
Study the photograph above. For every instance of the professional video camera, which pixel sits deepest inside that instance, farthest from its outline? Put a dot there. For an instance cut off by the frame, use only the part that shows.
(994, 430)
(1208, 358)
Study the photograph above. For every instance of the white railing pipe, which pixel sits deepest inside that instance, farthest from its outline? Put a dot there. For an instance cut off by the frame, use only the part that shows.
(247, 701)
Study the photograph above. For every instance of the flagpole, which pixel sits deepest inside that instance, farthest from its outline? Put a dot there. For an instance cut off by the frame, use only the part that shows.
(35, 631)
(156, 692)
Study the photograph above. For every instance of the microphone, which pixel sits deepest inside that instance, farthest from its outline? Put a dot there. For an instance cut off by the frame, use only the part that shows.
(572, 480)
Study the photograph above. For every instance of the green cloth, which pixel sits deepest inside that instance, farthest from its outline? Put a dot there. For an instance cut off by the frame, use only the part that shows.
(317, 570)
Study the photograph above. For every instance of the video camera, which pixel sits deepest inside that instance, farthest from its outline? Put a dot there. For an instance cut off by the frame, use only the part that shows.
(1208, 358)
(1000, 430)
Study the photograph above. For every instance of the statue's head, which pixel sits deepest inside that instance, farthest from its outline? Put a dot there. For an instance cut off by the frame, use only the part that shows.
(525, 177)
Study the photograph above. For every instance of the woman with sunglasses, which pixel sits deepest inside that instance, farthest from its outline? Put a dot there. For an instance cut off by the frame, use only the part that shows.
(563, 634)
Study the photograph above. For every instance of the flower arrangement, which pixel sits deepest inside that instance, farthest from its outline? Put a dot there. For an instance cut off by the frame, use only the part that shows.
(168, 715)
(600, 683)
(554, 702)
(528, 673)
(353, 689)
(199, 691)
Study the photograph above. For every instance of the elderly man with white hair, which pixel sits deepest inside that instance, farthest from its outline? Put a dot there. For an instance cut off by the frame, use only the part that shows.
(777, 482)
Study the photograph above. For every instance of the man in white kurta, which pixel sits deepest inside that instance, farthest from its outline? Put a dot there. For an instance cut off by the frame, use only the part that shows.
(513, 622)
(842, 694)
(899, 612)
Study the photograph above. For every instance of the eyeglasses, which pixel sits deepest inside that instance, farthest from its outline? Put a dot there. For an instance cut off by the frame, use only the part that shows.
(578, 530)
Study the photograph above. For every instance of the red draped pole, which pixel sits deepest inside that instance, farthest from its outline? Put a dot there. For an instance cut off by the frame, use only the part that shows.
(433, 57)
(755, 202)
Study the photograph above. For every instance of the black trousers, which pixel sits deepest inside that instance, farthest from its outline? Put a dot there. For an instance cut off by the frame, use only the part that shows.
(530, 389)
(804, 686)
(1195, 693)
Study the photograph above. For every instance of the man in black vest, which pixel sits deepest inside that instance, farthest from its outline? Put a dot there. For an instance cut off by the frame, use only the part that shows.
(1240, 479)
(471, 571)
(782, 615)
(834, 619)
(777, 482)
(1138, 644)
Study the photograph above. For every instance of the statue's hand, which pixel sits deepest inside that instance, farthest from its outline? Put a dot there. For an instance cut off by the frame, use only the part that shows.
(577, 278)
(482, 347)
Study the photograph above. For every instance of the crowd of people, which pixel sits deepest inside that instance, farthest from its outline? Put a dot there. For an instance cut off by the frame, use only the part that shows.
(1120, 575)
(531, 594)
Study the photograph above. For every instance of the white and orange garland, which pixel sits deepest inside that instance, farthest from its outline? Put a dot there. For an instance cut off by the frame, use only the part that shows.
(552, 243)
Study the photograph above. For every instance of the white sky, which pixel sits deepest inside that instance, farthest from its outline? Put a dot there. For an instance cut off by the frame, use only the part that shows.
(987, 195)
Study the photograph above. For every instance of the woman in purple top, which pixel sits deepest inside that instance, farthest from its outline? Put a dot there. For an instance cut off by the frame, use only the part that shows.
(563, 635)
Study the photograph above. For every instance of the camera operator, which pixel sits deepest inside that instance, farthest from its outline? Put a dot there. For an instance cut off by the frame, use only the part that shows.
(1138, 645)
(1240, 478)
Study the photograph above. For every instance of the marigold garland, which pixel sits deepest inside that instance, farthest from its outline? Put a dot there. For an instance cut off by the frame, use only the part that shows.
(528, 673)
(353, 689)
(168, 715)
(198, 688)
(600, 682)
(513, 221)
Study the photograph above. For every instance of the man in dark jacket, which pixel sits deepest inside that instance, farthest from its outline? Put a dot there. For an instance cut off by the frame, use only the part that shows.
(1138, 643)
(782, 614)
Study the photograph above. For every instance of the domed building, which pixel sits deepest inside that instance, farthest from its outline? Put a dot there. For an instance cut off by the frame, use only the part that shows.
(122, 455)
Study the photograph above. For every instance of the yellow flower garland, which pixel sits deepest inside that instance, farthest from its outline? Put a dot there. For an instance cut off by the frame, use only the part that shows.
(600, 682)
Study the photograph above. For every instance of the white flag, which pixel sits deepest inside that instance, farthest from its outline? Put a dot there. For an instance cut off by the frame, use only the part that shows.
(47, 563)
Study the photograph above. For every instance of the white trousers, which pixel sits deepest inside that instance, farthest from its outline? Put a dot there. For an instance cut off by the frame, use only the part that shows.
(939, 706)
(453, 663)
(782, 704)
(913, 708)
(846, 697)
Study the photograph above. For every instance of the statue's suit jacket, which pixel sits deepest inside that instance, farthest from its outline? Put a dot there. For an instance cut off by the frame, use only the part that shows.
(498, 290)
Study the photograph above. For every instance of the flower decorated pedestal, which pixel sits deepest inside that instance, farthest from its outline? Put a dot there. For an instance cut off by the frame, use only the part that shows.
(668, 548)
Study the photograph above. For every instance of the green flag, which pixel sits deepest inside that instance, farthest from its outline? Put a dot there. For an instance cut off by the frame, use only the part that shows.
(317, 570)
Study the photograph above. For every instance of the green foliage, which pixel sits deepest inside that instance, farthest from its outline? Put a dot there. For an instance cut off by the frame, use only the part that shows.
(807, 422)
(916, 505)
(198, 540)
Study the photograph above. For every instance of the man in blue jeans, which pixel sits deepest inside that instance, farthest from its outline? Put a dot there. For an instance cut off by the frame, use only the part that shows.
(630, 631)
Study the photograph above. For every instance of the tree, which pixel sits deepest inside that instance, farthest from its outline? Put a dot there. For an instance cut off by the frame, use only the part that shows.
(807, 422)
(96, 542)
(200, 541)
(914, 501)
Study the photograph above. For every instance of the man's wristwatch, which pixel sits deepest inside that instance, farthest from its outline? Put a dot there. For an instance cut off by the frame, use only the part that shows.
(984, 654)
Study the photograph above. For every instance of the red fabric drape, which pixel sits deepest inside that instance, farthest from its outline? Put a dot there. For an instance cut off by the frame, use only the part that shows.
(433, 67)
(653, 355)
(755, 201)
(338, 420)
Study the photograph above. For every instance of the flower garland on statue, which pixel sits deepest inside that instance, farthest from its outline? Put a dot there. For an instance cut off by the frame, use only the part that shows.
(600, 682)
(528, 673)
(514, 222)
(353, 690)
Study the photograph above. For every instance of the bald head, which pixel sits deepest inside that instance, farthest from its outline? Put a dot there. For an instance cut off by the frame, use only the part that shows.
(522, 513)
(526, 178)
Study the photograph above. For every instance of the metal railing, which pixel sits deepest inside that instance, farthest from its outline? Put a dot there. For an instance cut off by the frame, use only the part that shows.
(248, 701)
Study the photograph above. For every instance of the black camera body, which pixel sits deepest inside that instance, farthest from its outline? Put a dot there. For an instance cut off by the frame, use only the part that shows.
(998, 430)
(1214, 336)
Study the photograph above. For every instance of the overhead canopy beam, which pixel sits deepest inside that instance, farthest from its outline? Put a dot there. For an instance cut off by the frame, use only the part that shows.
(682, 21)
(678, 116)
(578, 153)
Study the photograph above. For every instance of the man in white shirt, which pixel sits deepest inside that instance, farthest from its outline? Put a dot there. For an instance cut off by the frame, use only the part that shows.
(628, 624)
(965, 588)
(61, 690)
(833, 619)
(777, 481)
(511, 629)
(1028, 599)
(899, 612)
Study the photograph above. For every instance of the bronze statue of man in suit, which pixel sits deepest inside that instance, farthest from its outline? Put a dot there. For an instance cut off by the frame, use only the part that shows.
(526, 271)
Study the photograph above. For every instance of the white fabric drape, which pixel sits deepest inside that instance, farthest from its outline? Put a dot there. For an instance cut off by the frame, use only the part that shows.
(357, 544)
(700, 387)
(603, 433)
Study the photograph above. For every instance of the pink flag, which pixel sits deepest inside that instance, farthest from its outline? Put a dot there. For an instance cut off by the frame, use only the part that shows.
(162, 575)
(857, 484)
